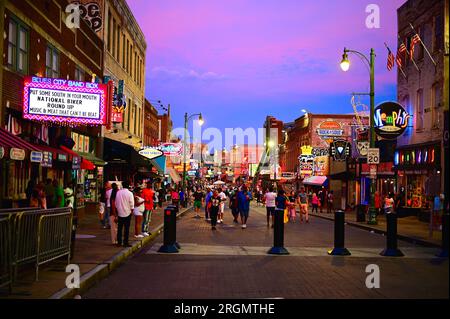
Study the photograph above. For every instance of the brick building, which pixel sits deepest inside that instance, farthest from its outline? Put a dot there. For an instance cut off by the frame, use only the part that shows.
(419, 158)
(151, 125)
(37, 42)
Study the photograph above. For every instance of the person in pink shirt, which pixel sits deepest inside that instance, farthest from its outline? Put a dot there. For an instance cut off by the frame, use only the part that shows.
(315, 203)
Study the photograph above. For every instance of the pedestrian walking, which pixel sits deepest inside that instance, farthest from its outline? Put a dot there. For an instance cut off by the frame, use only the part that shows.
(223, 198)
(138, 212)
(292, 206)
(198, 201)
(389, 204)
(42, 196)
(244, 198)
(303, 201)
(58, 195)
(69, 197)
(208, 196)
(31, 187)
(234, 205)
(315, 203)
(149, 197)
(113, 218)
(377, 203)
(175, 196)
(214, 204)
(33, 201)
(124, 205)
(322, 198)
(330, 202)
(281, 203)
(269, 200)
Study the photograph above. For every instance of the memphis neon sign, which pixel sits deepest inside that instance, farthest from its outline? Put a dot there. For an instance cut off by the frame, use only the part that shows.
(390, 120)
(64, 102)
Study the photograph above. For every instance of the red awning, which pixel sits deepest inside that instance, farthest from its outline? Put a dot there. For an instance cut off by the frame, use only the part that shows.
(54, 151)
(9, 140)
(85, 164)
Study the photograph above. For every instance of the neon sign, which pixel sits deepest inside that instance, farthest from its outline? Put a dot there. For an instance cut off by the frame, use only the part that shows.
(65, 102)
(390, 120)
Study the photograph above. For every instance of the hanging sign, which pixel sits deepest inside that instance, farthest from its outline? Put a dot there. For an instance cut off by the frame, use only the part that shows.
(76, 162)
(151, 153)
(36, 157)
(2, 152)
(340, 150)
(17, 154)
(390, 120)
(362, 146)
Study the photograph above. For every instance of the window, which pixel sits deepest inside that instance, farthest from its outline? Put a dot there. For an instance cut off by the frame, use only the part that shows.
(138, 133)
(435, 105)
(419, 110)
(135, 118)
(124, 63)
(438, 29)
(129, 114)
(420, 49)
(109, 30)
(79, 74)
(118, 44)
(113, 48)
(18, 46)
(131, 60)
(52, 62)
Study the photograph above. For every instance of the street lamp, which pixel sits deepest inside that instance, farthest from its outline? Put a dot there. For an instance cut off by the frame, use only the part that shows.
(345, 65)
(186, 121)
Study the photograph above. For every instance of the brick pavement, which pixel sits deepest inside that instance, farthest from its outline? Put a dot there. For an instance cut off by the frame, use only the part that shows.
(224, 270)
(89, 253)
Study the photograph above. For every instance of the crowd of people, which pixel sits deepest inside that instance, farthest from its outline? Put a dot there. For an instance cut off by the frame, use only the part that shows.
(49, 194)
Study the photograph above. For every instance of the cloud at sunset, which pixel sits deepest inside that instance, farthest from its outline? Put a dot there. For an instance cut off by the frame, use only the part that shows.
(264, 57)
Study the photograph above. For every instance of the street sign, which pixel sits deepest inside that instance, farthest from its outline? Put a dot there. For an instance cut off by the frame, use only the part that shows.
(373, 156)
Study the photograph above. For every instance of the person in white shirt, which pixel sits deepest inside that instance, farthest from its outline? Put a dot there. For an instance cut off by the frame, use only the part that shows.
(223, 198)
(269, 200)
(138, 213)
(124, 207)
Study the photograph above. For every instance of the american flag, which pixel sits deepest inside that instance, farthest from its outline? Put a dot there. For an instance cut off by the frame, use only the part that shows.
(401, 54)
(414, 40)
(390, 60)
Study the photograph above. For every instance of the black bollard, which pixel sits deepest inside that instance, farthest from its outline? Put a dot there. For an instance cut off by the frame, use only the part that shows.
(339, 235)
(278, 235)
(444, 250)
(170, 230)
(391, 237)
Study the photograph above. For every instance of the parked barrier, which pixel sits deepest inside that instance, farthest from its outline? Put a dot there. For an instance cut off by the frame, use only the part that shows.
(53, 238)
(5, 252)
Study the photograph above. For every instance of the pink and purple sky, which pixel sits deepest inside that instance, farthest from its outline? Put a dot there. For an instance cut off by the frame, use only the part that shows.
(237, 61)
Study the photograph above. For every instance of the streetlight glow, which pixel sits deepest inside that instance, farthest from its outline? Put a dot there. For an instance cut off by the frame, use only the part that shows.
(345, 63)
(271, 144)
(200, 120)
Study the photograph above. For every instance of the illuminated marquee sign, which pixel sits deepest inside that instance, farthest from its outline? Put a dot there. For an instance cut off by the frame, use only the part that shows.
(329, 128)
(64, 101)
(171, 149)
(390, 119)
(151, 153)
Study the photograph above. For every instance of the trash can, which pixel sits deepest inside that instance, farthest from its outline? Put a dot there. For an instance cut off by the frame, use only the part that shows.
(361, 210)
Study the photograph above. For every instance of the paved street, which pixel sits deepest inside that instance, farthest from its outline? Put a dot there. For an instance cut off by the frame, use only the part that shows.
(232, 263)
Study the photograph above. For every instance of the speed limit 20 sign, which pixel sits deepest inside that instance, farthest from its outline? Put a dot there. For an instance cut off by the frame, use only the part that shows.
(373, 156)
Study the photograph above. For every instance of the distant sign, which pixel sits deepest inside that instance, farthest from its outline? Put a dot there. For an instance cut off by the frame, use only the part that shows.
(171, 149)
(2, 152)
(340, 150)
(62, 157)
(35, 157)
(330, 128)
(373, 171)
(390, 120)
(76, 163)
(363, 146)
(17, 154)
(287, 175)
(151, 153)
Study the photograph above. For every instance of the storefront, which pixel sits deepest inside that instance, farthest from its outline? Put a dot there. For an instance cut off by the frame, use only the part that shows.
(419, 174)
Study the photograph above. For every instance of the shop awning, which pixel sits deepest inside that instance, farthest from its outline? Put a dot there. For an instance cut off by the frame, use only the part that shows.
(174, 175)
(9, 140)
(54, 151)
(90, 157)
(85, 163)
(315, 180)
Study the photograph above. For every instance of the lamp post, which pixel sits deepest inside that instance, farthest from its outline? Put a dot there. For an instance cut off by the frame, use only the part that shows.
(345, 65)
(186, 121)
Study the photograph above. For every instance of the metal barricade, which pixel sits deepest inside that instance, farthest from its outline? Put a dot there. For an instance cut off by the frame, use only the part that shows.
(53, 238)
(25, 235)
(5, 252)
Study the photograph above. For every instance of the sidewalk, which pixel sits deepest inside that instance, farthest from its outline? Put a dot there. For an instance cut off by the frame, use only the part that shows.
(408, 228)
(94, 254)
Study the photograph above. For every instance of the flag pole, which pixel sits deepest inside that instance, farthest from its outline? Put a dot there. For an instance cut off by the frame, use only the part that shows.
(412, 59)
(423, 44)
(401, 70)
